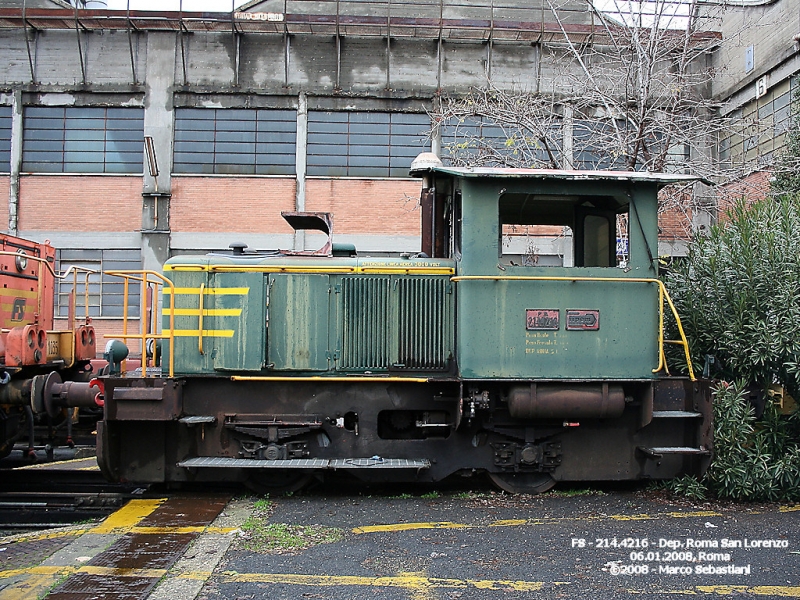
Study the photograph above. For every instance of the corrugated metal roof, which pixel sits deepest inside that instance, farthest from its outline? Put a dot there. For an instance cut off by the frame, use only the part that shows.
(567, 175)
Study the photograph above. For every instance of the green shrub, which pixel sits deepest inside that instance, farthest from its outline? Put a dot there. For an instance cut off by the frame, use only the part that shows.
(738, 294)
(687, 487)
(754, 459)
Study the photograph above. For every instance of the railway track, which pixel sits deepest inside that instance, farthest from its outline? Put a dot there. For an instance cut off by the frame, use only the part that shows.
(32, 499)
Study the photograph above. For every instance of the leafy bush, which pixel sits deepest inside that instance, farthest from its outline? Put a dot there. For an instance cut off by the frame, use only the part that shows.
(753, 459)
(738, 294)
(687, 487)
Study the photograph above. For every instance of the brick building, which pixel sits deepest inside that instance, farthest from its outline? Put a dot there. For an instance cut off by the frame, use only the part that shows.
(281, 105)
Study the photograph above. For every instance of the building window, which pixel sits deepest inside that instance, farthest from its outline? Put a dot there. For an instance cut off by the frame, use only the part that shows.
(82, 140)
(106, 293)
(235, 141)
(591, 140)
(757, 131)
(477, 141)
(364, 144)
(5, 139)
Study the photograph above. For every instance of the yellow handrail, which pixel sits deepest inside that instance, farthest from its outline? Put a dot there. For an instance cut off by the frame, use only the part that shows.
(200, 319)
(143, 277)
(662, 295)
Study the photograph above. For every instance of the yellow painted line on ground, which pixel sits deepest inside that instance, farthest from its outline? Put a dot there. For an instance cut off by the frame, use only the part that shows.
(37, 571)
(41, 579)
(420, 593)
(38, 581)
(785, 509)
(94, 468)
(530, 522)
(186, 529)
(128, 516)
(408, 581)
(227, 333)
(412, 526)
(90, 569)
(118, 572)
(196, 575)
(508, 522)
(783, 591)
(50, 535)
(33, 586)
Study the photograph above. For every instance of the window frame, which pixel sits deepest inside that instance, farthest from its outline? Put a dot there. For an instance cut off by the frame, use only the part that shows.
(84, 140)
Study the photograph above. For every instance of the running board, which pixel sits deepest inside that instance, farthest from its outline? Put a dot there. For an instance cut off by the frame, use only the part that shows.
(659, 452)
(305, 463)
(197, 420)
(676, 414)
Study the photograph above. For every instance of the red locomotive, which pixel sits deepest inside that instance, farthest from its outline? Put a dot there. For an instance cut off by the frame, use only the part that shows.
(43, 371)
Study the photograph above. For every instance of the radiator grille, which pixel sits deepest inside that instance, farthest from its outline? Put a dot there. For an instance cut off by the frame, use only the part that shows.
(422, 331)
(366, 318)
(400, 323)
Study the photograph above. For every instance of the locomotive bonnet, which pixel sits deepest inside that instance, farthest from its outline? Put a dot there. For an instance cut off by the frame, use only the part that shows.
(478, 354)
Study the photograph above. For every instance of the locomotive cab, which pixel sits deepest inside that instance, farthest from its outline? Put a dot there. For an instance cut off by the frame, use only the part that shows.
(482, 353)
(577, 315)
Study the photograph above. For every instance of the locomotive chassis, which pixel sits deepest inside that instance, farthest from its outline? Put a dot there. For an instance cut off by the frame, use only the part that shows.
(322, 422)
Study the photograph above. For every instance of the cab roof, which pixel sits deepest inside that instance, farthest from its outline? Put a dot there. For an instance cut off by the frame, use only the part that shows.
(660, 179)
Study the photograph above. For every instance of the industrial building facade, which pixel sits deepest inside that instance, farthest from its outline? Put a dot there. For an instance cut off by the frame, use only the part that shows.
(280, 106)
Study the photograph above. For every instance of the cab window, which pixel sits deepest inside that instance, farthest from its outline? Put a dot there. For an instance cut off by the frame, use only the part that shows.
(567, 231)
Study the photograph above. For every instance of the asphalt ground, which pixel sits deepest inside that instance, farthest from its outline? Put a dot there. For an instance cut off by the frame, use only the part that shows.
(344, 540)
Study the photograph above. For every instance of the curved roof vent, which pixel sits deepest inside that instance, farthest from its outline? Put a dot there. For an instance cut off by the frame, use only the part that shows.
(424, 163)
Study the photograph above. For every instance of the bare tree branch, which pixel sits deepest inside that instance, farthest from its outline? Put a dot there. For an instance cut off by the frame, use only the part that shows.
(639, 98)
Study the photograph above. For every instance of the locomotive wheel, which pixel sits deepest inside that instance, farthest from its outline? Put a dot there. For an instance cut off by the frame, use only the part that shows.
(523, 483)
(278, 481)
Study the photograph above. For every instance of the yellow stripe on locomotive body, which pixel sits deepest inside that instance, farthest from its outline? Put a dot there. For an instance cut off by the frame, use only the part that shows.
(276, 313)
(207, 291)
(207, 312)
(14, 293)
(222, 333)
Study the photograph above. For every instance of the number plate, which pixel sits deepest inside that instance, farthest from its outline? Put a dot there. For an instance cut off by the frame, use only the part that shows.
(542, 319)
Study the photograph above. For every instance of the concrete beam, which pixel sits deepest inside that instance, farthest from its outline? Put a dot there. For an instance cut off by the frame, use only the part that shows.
(158, 125)
(16, 160)
(90, 240)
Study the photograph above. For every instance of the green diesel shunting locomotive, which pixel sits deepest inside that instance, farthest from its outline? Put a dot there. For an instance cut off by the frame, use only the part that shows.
(471, 356)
